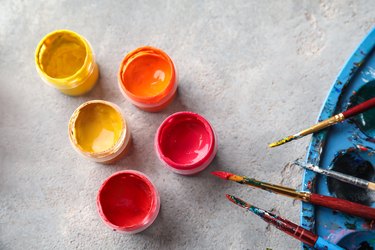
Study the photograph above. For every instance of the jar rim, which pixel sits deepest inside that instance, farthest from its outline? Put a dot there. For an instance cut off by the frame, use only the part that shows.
(61, 82)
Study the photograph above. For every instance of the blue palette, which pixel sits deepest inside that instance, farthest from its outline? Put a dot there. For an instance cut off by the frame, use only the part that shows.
(345, 143)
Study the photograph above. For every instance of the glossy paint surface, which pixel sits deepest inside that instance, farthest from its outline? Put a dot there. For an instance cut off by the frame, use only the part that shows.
(63, 56)
(65, 60)
(147, 78)
(366, 120)
(98, 127)
(353, 164)
(147, 75)
(128, 201)
(188, 141)
(185, 140)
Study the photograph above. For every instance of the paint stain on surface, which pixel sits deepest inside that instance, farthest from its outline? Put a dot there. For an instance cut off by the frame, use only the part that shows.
(366, 120)
(351, 163)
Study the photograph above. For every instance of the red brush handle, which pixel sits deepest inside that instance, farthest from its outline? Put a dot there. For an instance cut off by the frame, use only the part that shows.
(360, 108)
(344, 206)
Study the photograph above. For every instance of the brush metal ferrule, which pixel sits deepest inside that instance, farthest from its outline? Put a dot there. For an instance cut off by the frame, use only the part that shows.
(277, 189)
(323, 124)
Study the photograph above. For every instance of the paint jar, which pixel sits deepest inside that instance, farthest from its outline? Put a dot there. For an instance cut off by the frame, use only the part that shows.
(128, 202)
(186, 143)
(98, 131)
(147, 78)
(66, 61)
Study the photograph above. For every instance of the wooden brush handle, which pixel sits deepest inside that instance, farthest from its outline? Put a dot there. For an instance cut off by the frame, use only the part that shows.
(344, 206)
(371, 186)
(360, 108)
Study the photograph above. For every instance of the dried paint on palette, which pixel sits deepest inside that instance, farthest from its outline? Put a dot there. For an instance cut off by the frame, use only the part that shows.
(365, 121)
(354, 163)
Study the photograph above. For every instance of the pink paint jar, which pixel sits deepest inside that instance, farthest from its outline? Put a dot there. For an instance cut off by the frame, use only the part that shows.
(186, 143)
(128, 201)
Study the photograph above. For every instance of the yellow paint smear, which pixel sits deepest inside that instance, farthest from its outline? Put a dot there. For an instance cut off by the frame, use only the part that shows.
(63, 55)
(98, 127)
(147, 75)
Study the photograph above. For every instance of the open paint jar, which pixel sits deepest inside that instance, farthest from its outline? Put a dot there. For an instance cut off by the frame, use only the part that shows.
(128, 201)
(186, 143)
(66, 61)
(98, 131)
(147, 78)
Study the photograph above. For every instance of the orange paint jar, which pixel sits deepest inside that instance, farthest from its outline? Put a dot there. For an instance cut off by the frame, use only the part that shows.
(147, 78)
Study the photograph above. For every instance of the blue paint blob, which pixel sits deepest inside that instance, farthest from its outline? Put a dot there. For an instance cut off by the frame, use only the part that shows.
(360, 240)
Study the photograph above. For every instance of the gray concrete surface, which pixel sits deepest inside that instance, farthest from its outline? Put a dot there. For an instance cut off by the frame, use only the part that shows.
(257, 70)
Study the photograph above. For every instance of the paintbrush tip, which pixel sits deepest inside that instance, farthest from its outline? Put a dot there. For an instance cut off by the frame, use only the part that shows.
(282, 141)
(222, 174)
(272, 145)
(237, 201)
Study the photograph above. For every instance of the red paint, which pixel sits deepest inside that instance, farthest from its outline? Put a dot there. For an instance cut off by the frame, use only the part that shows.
(362, 148)
(222, 174)
(128, 201)
(186, 142)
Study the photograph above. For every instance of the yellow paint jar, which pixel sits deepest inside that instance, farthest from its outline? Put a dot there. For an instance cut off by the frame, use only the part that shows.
(98, 131)
(66, 61)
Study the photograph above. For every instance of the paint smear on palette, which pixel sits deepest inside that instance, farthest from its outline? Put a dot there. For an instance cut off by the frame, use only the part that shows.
(365, 121)
(360, 240)
(352, 163)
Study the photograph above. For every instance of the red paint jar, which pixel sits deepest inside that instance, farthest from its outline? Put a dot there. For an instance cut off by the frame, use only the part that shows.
(128, 201)
(147, 78)
(186, 143)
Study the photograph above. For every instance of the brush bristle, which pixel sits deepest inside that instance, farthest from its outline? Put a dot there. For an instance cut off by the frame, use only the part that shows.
(222, 174)
(237, 201)
(282, 141)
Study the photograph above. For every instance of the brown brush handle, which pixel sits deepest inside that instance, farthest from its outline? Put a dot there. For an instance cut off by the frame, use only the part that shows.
(360, 108)
(344, 206)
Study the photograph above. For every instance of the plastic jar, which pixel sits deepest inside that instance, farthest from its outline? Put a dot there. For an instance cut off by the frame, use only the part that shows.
(186, 143)
(98, 131)
(147, 78)
(128, 202)
(66, 61)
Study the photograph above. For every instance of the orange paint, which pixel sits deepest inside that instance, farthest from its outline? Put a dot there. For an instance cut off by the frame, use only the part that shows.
(147, 77)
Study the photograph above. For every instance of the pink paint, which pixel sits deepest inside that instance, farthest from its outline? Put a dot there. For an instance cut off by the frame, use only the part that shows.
(186, 143)
(128, 201)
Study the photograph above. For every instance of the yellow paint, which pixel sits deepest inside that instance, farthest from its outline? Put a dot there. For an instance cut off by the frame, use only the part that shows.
(65, 60)
(98, 127)
(64, 57)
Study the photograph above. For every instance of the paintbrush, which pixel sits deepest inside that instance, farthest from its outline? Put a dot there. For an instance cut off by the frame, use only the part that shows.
(360, 108)
(286, 226)
(341, 205)
(338, 176)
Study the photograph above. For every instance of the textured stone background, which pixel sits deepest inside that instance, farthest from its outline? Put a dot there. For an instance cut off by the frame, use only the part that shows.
(257, 70)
